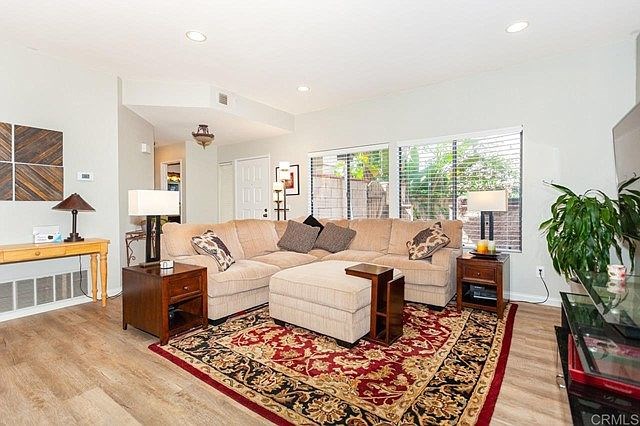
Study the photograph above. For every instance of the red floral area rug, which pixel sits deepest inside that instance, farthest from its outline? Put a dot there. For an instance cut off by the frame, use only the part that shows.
(446, 369)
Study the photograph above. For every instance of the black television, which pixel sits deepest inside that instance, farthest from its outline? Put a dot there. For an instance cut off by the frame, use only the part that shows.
(626, 146)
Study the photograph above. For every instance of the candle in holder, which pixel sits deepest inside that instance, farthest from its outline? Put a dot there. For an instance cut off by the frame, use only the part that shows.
(491, 246)
(482, 246)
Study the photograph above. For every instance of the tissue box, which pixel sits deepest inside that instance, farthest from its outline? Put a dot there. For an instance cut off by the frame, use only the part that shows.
(47, 234)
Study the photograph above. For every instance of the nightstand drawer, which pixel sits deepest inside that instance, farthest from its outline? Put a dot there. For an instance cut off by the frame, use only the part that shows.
(184, 286)
(477, 272)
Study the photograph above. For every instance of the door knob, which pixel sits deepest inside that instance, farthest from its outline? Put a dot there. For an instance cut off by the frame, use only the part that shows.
(265, 210)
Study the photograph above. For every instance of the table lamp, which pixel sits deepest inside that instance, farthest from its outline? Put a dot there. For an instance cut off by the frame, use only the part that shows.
(73, 203)
(487, 202)
(153, 204)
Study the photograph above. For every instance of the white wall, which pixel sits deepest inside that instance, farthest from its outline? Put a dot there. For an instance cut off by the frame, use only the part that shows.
(135, 169)
(567, 105)
(39, 91)
(201, 188)
(638, 69)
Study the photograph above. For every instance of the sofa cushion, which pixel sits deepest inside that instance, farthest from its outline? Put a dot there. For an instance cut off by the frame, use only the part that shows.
(312, 221)
(404, 230)
(416, 271)
(244, 275)
(257, 237)
(298, 237)
(371, 234)
(210, 244)
(319, 253)
(427, 242)
(338, 222)
(177, 238)
(353, 255)
(335, 238)
(285, 259)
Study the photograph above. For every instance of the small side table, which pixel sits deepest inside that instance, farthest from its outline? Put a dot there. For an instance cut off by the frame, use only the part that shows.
(478, 276)
(387, 301)
(148, 294)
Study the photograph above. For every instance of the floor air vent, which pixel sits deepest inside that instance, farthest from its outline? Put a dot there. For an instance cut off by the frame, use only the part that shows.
(30, 292)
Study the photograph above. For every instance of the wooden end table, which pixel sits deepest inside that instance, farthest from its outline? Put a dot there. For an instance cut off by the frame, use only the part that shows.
(387, 301)
(149, 293)
(490, 274)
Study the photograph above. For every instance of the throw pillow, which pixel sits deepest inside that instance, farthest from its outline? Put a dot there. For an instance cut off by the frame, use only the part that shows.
(210, 244)
(298, 237)
(312, 221)
(427, 242)
(335, 238)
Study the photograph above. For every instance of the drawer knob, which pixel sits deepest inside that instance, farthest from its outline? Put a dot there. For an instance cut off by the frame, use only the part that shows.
(185, 288)
(37, 253)
(478, 273)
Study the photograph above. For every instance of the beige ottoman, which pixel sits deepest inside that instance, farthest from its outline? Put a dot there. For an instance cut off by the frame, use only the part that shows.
(321, 297)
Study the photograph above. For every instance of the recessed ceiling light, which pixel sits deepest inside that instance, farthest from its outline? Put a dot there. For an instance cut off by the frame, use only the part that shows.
(517, 26)
(196, 36)
(303, 88)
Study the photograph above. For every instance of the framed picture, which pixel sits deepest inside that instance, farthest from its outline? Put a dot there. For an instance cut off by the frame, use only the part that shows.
(291, 185)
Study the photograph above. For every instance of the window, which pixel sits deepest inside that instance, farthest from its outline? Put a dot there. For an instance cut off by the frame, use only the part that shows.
(350, 183)
(435, 177)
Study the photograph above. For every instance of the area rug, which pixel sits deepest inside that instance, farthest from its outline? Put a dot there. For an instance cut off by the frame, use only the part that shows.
(446, 369)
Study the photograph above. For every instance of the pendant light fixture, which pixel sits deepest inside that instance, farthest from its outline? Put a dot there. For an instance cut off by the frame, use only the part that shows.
(202, 135)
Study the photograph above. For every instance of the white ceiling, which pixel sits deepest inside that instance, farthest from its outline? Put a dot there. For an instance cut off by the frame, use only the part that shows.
(175, 124)
(344, 50)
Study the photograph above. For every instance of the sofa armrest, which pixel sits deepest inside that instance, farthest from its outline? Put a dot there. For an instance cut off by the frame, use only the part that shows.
(200, 260)
(446, 257)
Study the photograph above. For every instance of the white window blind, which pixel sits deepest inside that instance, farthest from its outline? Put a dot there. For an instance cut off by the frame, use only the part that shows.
(435, 177)
(350, 184)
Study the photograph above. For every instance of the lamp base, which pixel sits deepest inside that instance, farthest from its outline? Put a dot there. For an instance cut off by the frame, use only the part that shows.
(73, 237)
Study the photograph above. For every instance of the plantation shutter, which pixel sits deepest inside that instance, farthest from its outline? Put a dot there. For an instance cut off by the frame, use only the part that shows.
(436, 176)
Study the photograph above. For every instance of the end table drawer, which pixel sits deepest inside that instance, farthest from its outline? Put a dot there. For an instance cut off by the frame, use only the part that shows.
(184, 286)
(476, 272)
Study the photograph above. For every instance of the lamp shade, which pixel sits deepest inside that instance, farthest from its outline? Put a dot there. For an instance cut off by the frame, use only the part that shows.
(145, 202)
(73, 202)
(487, 201)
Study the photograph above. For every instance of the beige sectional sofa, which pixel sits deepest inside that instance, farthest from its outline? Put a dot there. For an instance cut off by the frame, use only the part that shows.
(253, 244)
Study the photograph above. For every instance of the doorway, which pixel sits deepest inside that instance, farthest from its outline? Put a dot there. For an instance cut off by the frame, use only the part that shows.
(252, 188)
(172, 179)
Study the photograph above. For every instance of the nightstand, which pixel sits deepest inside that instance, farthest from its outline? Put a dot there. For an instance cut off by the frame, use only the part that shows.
(483, 283)
(164, 302)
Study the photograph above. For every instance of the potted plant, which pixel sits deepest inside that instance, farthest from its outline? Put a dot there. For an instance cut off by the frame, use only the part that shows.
(583, 228)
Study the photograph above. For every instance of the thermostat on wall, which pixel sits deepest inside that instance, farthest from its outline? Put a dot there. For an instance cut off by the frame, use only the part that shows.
(88, 176)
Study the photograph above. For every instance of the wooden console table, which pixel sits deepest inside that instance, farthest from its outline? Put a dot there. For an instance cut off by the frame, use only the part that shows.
(94, 247)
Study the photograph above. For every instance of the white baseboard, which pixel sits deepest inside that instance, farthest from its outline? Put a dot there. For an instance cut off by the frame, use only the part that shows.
(525, 297)
(44, 308)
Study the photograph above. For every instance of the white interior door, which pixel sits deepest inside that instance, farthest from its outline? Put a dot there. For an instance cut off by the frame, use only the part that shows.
(253, 186)
(226, 205)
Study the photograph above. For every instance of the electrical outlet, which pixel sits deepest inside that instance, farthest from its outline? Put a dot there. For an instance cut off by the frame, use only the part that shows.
(539, 271)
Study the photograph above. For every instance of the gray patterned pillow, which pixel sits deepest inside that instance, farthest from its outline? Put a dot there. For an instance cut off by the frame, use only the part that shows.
(427, 242)
(298, 237)
(210, 244)
(335, 238)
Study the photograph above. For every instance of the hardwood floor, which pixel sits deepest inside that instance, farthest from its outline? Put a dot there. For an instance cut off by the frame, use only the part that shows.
(77, 366)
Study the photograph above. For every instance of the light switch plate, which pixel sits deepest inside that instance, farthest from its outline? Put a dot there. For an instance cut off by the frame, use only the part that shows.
(144, 148)
(86, 176)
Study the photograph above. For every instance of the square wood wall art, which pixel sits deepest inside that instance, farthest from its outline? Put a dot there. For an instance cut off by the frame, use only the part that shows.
(31, 164)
